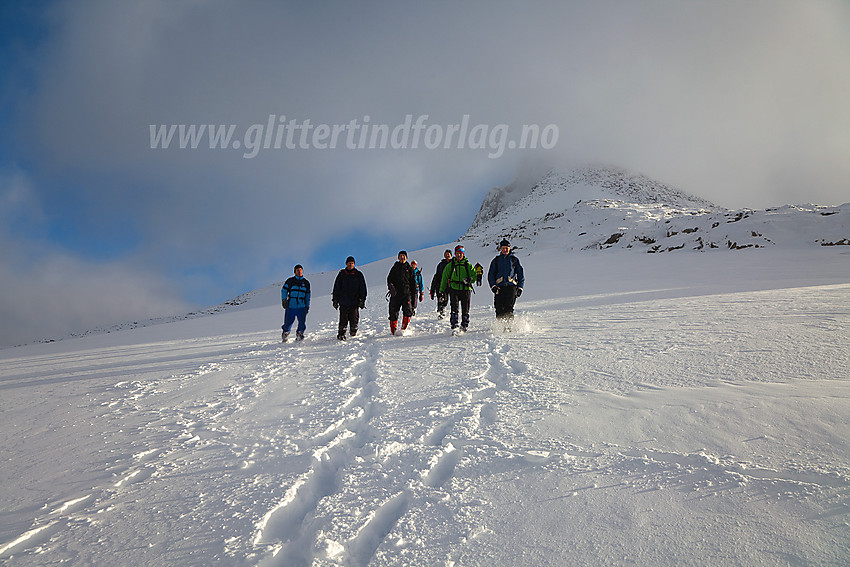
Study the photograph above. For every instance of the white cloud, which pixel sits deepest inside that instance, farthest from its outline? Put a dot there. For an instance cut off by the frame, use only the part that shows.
(48, 293)
(60, 294)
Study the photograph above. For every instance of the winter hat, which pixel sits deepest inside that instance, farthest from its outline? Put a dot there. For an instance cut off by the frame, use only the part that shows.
(350, 259)
(403, 252)
(296, 267)
(504, 242)
(459, 248)
(413, 263)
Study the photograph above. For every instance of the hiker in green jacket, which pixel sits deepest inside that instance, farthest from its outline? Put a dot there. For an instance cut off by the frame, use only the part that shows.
(458, 276)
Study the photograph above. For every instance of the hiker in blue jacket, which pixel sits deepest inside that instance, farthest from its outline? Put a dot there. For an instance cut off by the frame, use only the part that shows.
(417, 273)
(506, 279)
(295, 298)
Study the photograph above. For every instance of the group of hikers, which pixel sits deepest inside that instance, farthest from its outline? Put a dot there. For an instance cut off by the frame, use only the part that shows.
(452, 285)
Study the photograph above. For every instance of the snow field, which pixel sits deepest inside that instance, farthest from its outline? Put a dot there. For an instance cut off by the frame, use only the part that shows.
(634, 415)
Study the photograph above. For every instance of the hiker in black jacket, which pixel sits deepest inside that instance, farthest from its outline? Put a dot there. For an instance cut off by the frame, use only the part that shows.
(442, 298)
(349, 295)
(401, 282)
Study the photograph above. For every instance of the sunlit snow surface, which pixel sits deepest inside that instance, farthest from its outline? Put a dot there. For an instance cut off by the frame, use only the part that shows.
(644, 409)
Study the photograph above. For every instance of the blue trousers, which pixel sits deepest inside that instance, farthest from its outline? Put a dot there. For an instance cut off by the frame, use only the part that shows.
(289, 316)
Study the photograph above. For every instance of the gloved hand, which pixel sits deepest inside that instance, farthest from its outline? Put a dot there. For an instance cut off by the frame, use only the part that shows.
(421, 297)
(494, 289)
(518, 291)
(285, 303)
(362, 304)
(432, 295)
(306, 310)
(335, 303)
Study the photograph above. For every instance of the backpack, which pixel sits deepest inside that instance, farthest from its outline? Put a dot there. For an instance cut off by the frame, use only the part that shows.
(467, 281)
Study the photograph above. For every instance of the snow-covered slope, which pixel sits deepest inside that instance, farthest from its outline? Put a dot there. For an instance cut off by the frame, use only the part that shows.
(600, 208)
(663, 410)
(645, 409)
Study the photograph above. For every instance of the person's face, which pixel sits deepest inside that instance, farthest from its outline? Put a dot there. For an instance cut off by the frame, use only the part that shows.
(447, 255)
(459, 254)
(506, 250)
(349, 266)
(402, 258)
(299, 272)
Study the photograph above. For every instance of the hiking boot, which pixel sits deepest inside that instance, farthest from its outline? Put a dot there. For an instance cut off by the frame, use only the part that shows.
(283, 336)
(340, 337)
(299, 336)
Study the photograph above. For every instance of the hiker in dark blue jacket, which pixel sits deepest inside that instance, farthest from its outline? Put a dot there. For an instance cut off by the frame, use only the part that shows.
(506, 279)
(295, 298)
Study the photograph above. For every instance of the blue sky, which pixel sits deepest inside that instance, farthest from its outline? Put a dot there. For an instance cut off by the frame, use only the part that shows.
(740, 103)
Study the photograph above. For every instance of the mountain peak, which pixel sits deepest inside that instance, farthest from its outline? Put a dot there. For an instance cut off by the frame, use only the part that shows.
(583, 184)
(629, 186)
(606, 207)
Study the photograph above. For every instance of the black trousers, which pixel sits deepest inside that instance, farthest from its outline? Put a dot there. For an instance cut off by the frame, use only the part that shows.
(403, 302)
(504, 301)
(460, 298)
(349, 316)
(442, 301)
